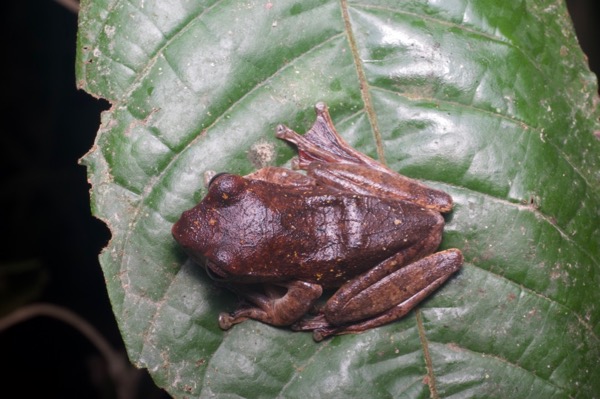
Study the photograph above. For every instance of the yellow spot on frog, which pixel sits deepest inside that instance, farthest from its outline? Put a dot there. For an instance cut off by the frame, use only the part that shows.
(225, 196)
(318, 275)
(397, 222)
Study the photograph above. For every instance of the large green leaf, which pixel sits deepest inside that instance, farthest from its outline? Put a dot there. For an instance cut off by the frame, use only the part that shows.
(489, 100)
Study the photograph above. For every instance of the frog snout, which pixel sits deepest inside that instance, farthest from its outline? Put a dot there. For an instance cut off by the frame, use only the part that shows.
(178, 231)
(186, 229)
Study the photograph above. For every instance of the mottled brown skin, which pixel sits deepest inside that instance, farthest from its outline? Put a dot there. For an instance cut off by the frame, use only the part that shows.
(350, 222)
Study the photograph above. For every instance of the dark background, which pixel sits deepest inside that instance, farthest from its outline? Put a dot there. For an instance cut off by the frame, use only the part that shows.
(50, 241)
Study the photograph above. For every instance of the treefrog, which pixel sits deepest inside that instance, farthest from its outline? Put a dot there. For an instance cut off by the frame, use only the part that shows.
(279, 238)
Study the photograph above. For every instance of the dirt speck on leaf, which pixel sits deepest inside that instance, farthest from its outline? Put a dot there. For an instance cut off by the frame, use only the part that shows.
(261, 154)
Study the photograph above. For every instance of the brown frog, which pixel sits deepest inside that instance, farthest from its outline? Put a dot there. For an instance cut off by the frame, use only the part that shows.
(278, 238)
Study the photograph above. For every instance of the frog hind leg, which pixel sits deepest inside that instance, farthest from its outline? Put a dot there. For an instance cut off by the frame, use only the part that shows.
(282, 177)
(324, 154)
(271, 307)
(323, 143)
(387, 300)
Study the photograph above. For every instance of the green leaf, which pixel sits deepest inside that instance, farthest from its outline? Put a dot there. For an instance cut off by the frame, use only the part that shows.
(491, 101)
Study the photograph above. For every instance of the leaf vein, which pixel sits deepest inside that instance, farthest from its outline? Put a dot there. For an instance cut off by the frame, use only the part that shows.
(363, 82)
(458, 347)
(426, 355)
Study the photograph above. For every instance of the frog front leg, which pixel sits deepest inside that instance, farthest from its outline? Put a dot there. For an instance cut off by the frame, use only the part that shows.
(272, 306)
(378, 297)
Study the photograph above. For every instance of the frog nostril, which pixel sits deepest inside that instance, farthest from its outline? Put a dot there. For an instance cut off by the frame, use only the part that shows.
(177, 230)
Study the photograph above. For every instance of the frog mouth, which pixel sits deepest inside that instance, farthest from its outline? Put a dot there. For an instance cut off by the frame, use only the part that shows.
(215, 272)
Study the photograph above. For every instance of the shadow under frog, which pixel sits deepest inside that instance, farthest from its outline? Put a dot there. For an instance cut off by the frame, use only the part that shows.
(278, 238)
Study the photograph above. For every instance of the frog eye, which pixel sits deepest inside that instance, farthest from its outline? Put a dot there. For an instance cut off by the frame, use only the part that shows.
(212, 179)
(226, 187)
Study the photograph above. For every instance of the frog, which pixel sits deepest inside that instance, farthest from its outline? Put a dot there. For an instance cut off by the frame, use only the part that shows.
(338, 221)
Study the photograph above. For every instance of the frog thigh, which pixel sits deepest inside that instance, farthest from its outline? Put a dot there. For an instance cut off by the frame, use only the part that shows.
(398, 294)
